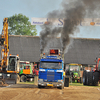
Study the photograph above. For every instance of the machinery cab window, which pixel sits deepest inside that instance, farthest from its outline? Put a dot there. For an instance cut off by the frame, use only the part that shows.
(12, 63)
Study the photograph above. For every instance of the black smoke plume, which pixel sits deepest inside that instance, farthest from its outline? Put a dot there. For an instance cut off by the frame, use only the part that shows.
(72, 12)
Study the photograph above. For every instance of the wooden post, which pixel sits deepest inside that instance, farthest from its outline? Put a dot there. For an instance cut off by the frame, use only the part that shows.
(35, 80)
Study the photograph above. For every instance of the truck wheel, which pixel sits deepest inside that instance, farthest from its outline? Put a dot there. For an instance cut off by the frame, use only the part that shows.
(90, 78)
(17, 79)
(39, 86)
(85, 78)
(23, 78)
(62, 87)
(96, 79)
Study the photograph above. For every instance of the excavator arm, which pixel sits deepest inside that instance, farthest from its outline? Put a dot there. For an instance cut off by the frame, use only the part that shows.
(4, 45)
(9, 67)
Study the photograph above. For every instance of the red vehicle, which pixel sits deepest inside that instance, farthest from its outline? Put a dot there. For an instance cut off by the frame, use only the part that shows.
(35, 69)
(92, 77)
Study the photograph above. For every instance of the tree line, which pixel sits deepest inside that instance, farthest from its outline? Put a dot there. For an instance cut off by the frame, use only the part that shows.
(19, 24)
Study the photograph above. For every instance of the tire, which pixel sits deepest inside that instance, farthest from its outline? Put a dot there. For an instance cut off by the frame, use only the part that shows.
(77, 80)
(39, 86)
(81, 80)
(90, 78)
(23, 78)
(62, 87)
(66, 82)
(96, 79)
(85, 77)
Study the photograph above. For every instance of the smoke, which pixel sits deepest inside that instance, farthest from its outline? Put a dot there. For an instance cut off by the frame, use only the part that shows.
(72, 11)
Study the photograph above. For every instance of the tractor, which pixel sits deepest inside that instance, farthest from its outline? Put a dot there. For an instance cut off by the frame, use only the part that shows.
(75, 72)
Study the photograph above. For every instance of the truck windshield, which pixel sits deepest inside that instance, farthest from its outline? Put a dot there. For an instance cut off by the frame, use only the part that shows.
(22, 64)
(74, 68)
(51, 65)
(12, 63)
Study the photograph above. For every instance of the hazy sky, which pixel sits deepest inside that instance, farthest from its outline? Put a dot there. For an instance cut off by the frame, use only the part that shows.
(40, 8)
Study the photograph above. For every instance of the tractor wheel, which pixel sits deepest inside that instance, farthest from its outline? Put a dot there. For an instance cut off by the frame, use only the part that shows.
(90, 78)
(17, 79)
(77, 81)
(85, 77)
(23, 78)
(96, 79)
(80, 79)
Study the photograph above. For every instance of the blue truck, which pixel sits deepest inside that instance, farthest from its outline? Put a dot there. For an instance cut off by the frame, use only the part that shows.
(51, 70)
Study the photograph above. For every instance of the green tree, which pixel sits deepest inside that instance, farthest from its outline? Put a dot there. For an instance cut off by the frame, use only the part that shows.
(20, 25)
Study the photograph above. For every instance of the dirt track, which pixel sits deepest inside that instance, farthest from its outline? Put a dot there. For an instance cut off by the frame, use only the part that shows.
(68, 93)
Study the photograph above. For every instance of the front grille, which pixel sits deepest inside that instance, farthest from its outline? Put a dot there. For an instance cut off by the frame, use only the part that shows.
(50, 76)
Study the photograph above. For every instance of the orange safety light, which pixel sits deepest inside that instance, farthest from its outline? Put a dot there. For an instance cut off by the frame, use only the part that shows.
(92, 23)
(47, 23)
(53, 52)
(17, 55)
(59, 54)
(2, 50)
(10, 54)
(43, 53)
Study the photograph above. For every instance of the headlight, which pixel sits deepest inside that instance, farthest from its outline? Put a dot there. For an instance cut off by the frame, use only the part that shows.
(60, 80)
(41, 80)
(42, 70)
(0, 74)
(8, 74)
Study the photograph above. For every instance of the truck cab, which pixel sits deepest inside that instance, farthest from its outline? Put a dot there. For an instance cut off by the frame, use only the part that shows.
(26, 73)
(51, 72)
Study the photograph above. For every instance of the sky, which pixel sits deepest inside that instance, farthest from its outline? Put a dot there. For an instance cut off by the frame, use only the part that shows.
(39, 9)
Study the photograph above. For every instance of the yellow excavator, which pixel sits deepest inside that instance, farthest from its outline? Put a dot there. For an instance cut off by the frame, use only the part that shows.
(9, 64)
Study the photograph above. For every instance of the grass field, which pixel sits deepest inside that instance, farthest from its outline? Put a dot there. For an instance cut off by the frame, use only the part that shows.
(70, 84)
(26, 82)
(79, 84)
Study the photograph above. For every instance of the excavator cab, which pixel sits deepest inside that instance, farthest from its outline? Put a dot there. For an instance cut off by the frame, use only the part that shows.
(13, 64)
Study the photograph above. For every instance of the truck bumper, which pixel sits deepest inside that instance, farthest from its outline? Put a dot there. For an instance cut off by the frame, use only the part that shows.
(53, 84)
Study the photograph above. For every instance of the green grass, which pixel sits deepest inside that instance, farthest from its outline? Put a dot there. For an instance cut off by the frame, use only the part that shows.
(70, 84)
(26, 82)
(75, 84)
(79, 84)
